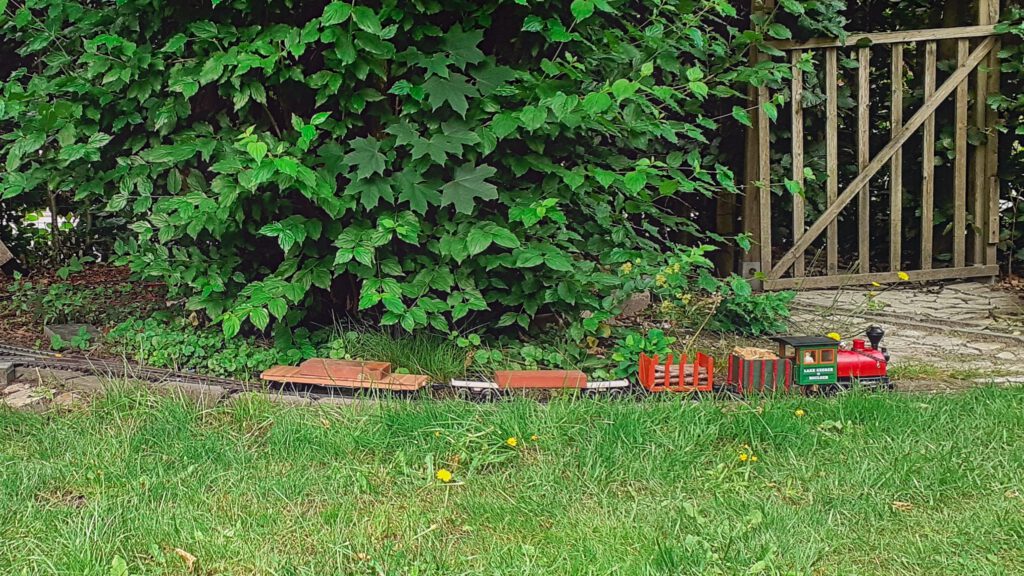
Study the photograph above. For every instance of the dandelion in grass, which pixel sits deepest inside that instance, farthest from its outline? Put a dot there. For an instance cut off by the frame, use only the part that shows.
(876, 284)
(800, 413)
(753, 458)
(534, 438)
(444, 475)
(744, 457)
(512, 441)
(903, 276)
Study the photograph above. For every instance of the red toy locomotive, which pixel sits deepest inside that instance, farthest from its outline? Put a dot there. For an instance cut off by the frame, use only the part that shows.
(812, 364)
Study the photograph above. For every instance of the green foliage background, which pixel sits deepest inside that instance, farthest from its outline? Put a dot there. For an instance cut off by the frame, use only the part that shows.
(442, 164)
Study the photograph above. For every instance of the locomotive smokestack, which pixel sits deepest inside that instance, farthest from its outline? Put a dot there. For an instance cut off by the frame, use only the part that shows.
(875, 335)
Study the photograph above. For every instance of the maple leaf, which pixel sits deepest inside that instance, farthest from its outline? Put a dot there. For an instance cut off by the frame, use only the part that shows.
(371, 191)
(462, 46)
(470, 183)
(436, 65)
(453, 137)
(404, 132)
(412, 189)
(366, 156)
(437, 148)
(489, 78)
(454, 91)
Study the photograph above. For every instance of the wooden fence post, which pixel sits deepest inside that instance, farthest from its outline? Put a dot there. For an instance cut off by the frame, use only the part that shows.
(752, 198)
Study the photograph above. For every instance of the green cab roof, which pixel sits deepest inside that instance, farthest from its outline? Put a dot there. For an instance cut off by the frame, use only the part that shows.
(806, 341)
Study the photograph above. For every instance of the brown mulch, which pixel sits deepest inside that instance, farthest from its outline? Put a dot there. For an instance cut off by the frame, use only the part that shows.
(23, 330)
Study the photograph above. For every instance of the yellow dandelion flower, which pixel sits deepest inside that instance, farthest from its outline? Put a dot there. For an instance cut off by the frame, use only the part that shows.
(800, 413)
(534, 438)
(835, 336)
(753, 458)
(903, 276)
(876, 284)
(743, 457)
(512, 441)
(444, 475)
(437, 434)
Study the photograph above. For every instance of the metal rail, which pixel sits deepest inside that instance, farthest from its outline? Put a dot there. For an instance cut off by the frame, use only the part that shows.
(29, 358)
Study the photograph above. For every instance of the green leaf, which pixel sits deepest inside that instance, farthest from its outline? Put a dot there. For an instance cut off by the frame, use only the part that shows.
(257, 150)
(596, 103)
(741, 115)
(478, 240)
(462, 46)
(454, 91)
(779, 32)
(582, 9)
(503, 237)
(533, 117)
(336, 13)
(278, 307)
(470, 184)
(174, 154)
(411, 189)
(635, 181)
(259, 318)
(231, 325)
(623, 88)
(366, 157)
(367, 19)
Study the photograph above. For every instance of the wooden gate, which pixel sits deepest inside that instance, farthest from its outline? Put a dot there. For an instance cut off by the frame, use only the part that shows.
(975, 188)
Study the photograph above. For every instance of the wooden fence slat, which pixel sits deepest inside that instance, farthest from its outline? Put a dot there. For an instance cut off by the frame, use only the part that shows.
(960, 165)
(978, 197)
(764, 177)
(798, 156)
(832, 155)
(864, 156)
(992, 150)
(896, 165)
(928, 161)
(902, 37)
(916, 121)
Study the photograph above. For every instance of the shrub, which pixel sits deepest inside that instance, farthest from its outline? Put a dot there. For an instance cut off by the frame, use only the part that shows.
(436, 164)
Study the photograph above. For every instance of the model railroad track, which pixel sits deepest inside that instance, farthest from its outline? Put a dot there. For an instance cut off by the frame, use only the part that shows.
(29, 358)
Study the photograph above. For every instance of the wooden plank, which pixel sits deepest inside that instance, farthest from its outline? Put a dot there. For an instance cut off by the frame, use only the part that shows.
(799, 223)
(928, 163)
(863, 157)
(896, 165)
(902, 37)
(752, 198)
(927, 110)
(831, 157)
(816, 282)
(992, 165)
(764, 163)
(960, 164)
(978, 196)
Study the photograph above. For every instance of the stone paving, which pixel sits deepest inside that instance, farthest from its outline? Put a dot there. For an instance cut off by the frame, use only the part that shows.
(962, 327)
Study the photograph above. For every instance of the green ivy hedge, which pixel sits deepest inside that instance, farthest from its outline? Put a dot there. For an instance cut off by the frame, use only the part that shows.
(443, 164)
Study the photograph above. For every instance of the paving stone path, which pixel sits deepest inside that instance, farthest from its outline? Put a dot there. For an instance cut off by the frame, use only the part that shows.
(961, 328)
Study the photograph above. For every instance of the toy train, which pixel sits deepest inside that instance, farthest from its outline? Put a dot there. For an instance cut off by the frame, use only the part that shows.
(804, 365)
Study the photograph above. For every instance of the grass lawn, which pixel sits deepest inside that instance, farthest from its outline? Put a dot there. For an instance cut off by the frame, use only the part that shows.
(862, 484)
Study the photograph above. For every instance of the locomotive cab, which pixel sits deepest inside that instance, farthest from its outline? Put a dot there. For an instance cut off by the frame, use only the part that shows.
(815, 359)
